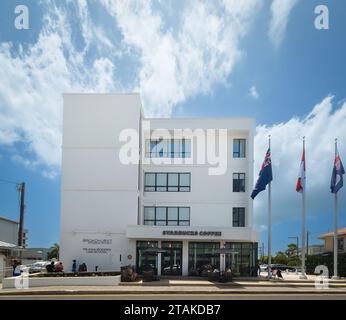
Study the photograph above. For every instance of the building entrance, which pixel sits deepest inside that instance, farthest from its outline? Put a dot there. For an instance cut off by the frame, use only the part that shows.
(172, 259)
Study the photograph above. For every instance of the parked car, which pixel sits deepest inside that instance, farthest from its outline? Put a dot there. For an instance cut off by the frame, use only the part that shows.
(282, 267)
(38, 266)
(263, 267)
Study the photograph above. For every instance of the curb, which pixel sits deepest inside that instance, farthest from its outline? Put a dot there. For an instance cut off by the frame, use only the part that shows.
(172, 292)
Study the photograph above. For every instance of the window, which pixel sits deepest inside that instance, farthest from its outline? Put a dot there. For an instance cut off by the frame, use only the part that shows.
(167, 216)
(238, 182)
(341, 244)
(238, 217)
(239, 148)
(168, 148)
(162, 182)
(150, 184)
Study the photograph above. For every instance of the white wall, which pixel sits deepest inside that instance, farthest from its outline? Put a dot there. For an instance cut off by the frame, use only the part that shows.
(8, 231)
(99, 195)
(211, 197)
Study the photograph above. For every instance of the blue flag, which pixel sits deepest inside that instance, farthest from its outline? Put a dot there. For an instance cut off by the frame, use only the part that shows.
(264, 177)
(337, 179)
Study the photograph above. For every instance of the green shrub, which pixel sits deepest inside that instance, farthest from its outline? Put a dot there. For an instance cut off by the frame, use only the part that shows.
(326, 260)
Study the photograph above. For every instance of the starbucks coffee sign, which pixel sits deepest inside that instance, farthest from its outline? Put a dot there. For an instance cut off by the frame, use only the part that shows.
(191, 233)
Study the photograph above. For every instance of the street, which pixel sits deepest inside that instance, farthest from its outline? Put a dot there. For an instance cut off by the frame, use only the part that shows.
(295, 296)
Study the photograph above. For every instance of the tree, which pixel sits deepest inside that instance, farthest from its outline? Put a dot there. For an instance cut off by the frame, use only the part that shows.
(264, 260)
(293, 261)
(280, 258)
(54, 251)
(292, 250)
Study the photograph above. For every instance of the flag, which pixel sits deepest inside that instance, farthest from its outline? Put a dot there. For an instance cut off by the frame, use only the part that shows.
(337, 179)
(265, 175)
(300, 185)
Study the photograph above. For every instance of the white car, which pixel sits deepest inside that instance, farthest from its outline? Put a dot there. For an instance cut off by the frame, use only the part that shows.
(38, 266)
(263, 267)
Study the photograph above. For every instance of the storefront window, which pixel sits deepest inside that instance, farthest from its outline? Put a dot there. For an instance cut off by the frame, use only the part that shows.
(146, 261)
(202, 255)
(242, 259)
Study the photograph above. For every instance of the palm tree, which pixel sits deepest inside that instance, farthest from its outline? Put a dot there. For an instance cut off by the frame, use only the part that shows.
(54, 251)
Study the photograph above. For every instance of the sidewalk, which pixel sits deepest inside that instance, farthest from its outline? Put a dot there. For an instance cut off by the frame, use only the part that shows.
(293, 285)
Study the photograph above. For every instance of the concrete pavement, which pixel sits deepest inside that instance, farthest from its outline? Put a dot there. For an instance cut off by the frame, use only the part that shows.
(290, 286)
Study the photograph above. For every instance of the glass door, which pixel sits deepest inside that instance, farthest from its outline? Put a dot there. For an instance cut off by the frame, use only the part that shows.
(146, 262)
(171, 260)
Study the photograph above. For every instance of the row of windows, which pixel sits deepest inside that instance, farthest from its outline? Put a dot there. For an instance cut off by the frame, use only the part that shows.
(175, 148)
(174, 182)
(167, 216)
(180, 216)
(168, 148)
(181, 182)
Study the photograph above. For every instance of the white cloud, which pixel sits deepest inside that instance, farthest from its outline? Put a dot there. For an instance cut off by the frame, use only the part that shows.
(320, 127)
(253, 92)
(280, 12)
(178, 62)
(170, 63)
(33, 80)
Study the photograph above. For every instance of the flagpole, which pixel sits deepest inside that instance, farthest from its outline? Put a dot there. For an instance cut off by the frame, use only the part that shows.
(303, 275)
(269, 223)
(335, 274)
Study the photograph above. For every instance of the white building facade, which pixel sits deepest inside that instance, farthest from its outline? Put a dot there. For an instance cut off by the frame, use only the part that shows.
(132, 186)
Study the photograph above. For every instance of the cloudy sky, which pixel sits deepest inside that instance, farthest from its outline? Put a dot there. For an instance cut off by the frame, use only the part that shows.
(258, 58)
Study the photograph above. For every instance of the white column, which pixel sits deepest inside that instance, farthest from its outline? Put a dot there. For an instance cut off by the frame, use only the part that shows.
(159, 260)
(185, 258)
(222, 257)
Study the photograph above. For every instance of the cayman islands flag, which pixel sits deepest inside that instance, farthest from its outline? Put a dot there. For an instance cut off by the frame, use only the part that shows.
(301, 181)
(265, 175)
(338, 171)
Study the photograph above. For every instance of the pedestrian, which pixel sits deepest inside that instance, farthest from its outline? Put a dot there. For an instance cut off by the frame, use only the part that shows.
(59, 267)
(279, 274)
(74, 266)
(258, 269)
(50, 267)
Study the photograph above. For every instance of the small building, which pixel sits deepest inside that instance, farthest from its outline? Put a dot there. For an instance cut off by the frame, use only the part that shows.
(329, 241)
(9, 231)
(315, 249)
(7, 251)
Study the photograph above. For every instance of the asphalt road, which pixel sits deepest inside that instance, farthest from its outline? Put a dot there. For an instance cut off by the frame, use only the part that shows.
(180, 297)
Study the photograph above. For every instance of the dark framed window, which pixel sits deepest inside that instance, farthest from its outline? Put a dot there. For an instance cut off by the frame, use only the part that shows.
(239, 148)
(238, 182)
(167, 182)
(168, 148)
(341, 244)
(167, 216)
(238, 219)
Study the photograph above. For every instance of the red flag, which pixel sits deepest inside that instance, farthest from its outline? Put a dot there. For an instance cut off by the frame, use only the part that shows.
(300, 185)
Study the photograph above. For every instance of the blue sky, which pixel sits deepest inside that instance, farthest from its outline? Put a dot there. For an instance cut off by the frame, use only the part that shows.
(258, 58)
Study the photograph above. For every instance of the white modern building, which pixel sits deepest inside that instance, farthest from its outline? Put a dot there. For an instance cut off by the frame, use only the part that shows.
(138, 191)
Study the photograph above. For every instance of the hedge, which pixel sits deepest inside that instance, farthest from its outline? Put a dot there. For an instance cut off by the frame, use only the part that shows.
(326, 259)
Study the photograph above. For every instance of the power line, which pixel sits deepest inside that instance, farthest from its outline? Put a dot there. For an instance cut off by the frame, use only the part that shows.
(9, 181)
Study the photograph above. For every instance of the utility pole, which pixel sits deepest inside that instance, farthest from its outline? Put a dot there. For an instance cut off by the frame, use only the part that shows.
(21, 189)
(307, 243)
